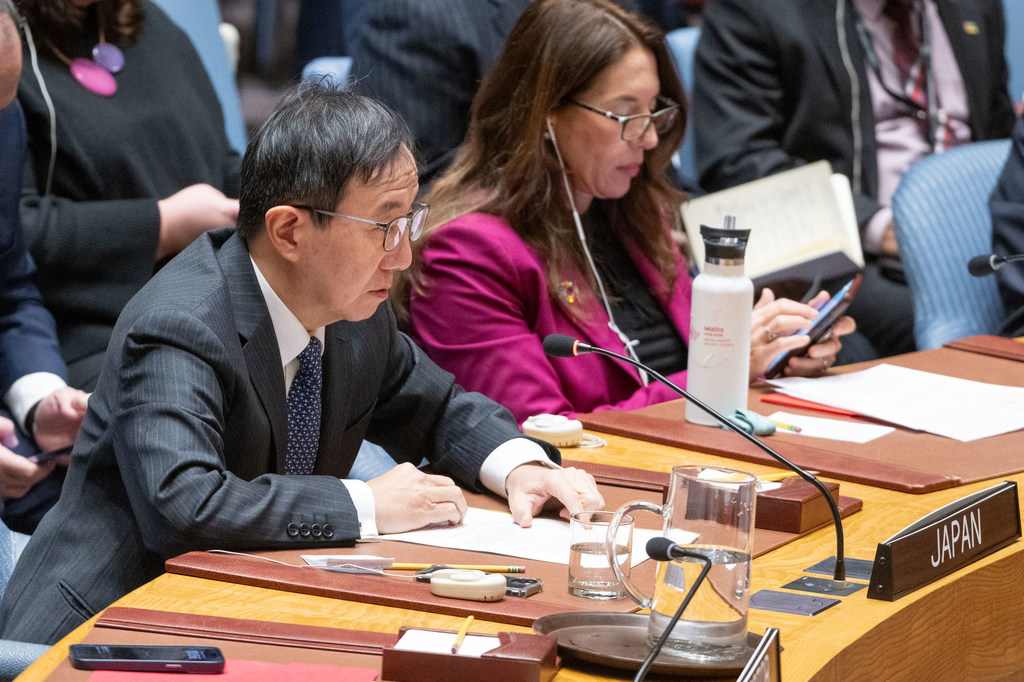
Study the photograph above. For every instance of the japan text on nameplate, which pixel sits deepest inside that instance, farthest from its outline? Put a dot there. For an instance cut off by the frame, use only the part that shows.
(945, 541)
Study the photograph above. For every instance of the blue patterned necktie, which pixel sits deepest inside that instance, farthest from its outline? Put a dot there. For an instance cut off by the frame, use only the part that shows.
(304, 411)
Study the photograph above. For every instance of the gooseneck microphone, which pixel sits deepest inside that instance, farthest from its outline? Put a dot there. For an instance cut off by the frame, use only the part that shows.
(987, 263)
(663, 549)
(562, 346)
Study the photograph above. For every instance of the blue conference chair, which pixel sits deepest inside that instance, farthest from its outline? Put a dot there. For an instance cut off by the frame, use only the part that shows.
(942, 220)
(682, 43)
(200, 19)
(14, 656)
(1014, 10)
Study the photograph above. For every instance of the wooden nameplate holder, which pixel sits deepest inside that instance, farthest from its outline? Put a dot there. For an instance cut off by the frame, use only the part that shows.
(798, 507)
(520, 657)
(945, 541)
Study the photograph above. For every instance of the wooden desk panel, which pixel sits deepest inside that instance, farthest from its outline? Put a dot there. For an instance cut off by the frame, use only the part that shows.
(965, 626)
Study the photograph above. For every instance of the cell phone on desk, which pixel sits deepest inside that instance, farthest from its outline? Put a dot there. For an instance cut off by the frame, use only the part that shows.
(147, 659)
(827, 316)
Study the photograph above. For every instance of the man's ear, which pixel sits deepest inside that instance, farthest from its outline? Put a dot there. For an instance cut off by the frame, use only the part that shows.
(285, 228)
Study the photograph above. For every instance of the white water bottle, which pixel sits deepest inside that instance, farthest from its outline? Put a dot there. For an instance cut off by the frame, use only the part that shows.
(718, 358)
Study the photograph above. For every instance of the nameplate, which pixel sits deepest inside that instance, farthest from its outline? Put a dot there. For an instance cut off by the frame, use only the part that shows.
(946, 540)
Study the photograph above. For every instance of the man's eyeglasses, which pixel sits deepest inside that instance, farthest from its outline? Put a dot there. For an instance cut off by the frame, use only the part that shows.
(634, 127)
(394, 229)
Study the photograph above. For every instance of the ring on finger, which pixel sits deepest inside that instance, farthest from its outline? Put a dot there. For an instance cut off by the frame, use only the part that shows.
(825, 364)
(769, 334)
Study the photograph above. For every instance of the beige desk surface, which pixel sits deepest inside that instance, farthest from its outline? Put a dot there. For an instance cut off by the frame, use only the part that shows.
(967, 626)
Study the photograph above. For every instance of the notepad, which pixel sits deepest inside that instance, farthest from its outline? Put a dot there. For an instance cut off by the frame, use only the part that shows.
(801, 223)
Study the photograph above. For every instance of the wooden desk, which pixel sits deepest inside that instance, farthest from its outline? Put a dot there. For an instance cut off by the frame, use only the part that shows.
(965, 626)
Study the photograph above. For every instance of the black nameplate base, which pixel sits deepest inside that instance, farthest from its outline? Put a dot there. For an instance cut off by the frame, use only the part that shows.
(945, 541)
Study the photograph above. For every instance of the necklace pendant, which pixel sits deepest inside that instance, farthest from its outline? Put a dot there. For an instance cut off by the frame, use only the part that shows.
(93, 77)
(108, 56)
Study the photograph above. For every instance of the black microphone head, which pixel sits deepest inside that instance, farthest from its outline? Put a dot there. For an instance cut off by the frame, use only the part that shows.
(659, 548)
(560, 346)
(985, 264)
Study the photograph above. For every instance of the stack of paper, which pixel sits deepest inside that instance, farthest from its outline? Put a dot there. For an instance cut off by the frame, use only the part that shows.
(955, 408)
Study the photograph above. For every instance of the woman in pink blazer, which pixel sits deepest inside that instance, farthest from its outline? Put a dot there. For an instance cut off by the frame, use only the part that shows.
(556, 217)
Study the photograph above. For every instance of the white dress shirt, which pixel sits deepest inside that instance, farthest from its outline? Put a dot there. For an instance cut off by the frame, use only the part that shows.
(292, 339)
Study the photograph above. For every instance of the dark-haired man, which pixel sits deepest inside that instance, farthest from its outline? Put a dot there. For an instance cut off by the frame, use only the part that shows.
(241, 380)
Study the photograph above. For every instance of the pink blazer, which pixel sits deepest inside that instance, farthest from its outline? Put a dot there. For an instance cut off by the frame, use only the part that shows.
(487, 311)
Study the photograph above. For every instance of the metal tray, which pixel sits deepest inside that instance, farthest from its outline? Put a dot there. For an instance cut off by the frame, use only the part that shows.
(619, 640)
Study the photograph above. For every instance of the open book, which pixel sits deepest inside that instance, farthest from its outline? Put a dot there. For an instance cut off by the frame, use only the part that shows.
(801, 221)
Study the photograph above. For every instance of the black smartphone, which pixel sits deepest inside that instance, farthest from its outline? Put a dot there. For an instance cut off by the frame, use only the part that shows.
(42, 457)
(827, 316)
(147, 659)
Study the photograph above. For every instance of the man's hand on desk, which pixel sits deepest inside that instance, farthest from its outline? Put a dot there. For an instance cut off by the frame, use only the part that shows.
(530, 486)
(405, 498)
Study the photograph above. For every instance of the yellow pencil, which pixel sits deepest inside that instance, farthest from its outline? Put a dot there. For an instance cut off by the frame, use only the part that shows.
(465, 567)
(462, 634)
(788, 427)
(767, 478)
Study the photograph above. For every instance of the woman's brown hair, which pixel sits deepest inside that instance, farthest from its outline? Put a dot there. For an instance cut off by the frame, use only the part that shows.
(56, 23)
(505, 167)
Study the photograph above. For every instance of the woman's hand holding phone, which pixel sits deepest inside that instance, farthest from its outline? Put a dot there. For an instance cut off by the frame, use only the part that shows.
(790, 338)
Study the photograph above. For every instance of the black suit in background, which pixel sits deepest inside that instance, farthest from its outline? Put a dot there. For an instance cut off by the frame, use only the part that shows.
(425, 59)
(1007, 204)
(772, 92)
(186, 435)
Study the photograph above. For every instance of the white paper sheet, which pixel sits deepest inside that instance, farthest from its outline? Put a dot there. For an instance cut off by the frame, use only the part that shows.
(483, 530)
(955, 408)
(833, 429)
(441, 643)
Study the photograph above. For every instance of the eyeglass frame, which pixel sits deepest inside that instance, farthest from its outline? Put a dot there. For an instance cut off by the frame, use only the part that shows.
(624, 120)
(418, 207)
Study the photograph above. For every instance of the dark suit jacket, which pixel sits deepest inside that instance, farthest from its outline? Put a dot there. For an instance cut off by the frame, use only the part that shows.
(28, 338)
(771, 91)
(186, 433)
(425, 59)
(1007, 204)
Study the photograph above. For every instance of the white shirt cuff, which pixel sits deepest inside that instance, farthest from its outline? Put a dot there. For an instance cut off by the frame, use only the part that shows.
(874, 231)
(506, 457)
(29, 390)
(366, 507)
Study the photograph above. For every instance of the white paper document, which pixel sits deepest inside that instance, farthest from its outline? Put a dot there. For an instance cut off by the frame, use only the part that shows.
(833, 429)
(442, 642)
(946, 406)
(490, 531)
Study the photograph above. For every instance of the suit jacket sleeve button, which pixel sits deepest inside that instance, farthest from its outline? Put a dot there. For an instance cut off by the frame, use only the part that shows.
(328, 531)
(304, 530)
(317, 529)
(293, 530)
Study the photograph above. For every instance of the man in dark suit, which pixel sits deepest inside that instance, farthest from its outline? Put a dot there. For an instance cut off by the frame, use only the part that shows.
(193, 440)
(1007, 204)
(425, 59)
(777, 85)
(32, 374)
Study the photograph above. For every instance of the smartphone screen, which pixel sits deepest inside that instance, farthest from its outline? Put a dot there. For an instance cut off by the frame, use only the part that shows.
(827, 316)
(186, 659)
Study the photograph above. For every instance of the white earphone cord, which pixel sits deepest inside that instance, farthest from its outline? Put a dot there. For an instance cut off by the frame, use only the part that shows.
(49, 104)
(626, 341)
